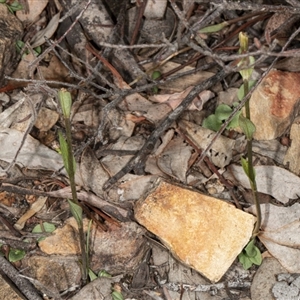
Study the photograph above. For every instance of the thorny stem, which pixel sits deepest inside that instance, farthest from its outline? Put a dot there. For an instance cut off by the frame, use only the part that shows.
(250, 166)
(75, 199)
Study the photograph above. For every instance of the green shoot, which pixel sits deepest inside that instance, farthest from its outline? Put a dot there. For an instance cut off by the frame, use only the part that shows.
(249, 128)
(69, 163)
(155, 75)
(251, 254)
(213, 28)
(117, 295)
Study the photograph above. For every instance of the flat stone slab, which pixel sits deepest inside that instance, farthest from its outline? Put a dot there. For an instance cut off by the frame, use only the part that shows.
(274, 104)
(204, 233)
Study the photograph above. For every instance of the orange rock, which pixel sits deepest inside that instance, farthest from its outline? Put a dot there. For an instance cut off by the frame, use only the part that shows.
(274, 104)
(204, 233)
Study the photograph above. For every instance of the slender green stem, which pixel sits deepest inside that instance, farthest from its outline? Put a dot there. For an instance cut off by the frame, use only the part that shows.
(251, 173)
(75, 199)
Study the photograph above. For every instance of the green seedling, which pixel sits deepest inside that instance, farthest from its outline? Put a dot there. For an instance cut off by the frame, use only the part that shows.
(44, 227)
(155, 75)
(250, 255)
(213, 28)
(92, 275)
(20, 46)
(12, 7)
(14, 254)
(216, 120)
(116, 295)
(101, 273)
(69, 163)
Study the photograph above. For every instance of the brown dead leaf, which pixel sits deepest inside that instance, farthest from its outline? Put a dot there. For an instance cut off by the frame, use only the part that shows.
(176, 98)
(174, 159)
(6, 199)
(155, 9)
(46, 119)
(40, 38)
(221, 151)
(278, 182)
(35, 207)
(22, 70)
(92, 172)
(132, 187)
(275, 22)
(280, 233)
(114, 163)
(55, 70)
(182, 83)
(35, 8)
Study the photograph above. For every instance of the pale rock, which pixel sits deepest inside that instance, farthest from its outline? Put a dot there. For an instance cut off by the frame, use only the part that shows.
(7, 292)
(204, 233)
(265, 278)
(54, 274)
(46, 119)
(274, 104)
(119, 248)
(292, 157)
(100, 288)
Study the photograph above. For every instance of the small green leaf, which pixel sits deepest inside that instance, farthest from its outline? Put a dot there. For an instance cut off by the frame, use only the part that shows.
(38, 50)
(250, 249)
(103, 273)
(65, 100)
(92, 275)
(257, 259)
(245, 165)
(48, 227)
(155, 75)
(212, 123)
(64, 150)
(247, 127)
(241, 91)
(234, 123)
(245, 261)
(155, 90)
(213, 28)
(20, 45)
(76, 211)
(223, 111)
(15, 255)
(2, 1)
(15, 6)
(244, 63)
(87, 245)
(117, 295)
(250, 255)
